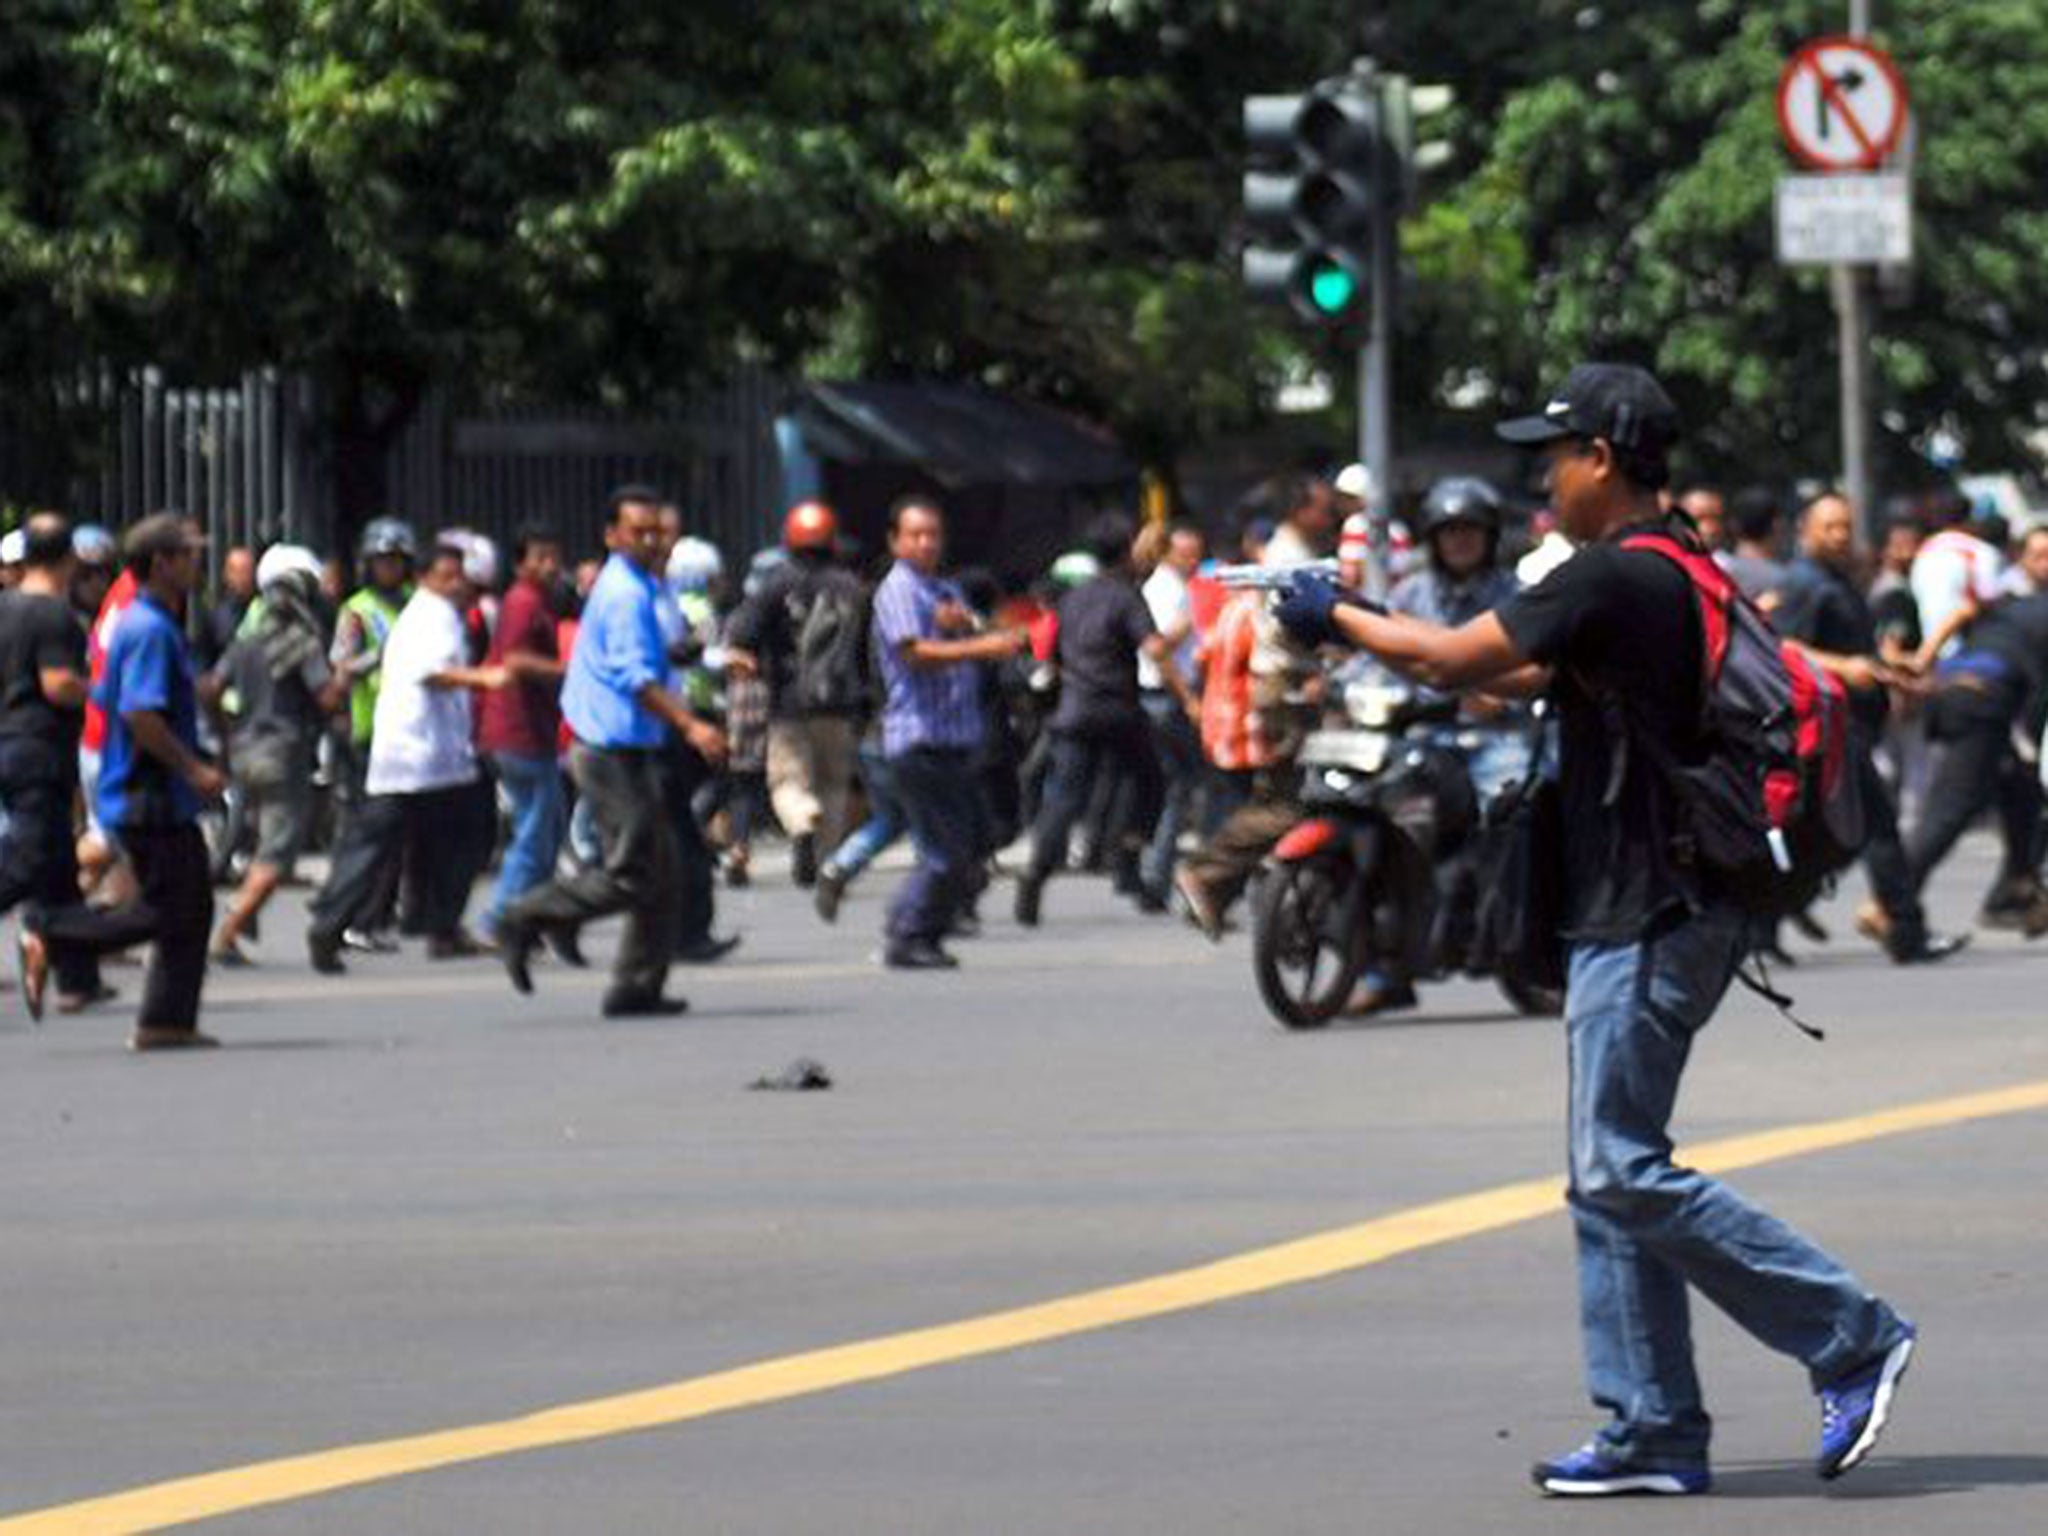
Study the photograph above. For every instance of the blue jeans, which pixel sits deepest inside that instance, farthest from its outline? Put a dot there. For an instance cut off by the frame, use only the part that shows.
(1179, 747)
(1648, 1228)
(533, 785)
(947, 827)
(885, 823)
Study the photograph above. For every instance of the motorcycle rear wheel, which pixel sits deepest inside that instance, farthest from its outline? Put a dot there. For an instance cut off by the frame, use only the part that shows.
(1303, 954)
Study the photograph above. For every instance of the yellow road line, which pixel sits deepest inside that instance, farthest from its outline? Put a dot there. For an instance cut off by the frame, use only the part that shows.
(1315, 1257)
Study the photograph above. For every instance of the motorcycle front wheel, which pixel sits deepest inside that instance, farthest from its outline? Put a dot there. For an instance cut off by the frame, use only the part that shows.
(1303, 952)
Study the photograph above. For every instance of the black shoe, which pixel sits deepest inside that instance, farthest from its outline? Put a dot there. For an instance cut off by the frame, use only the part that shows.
(917, 955)
(1030, 892)
(368, 943)
(459, 945)
(515, 949)
(564, 946)
(1931, 949)
(831, 890)
(736, 876)
(1124, 878)
(324, 950)
(1148, 899)
(803, 859)
(707, 950)
(639, 1005)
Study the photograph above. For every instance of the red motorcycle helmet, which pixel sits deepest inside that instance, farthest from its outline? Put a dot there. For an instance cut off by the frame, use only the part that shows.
(809, 525)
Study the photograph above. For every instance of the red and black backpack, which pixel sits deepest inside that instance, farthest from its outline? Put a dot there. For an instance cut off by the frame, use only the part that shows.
(1773, 808)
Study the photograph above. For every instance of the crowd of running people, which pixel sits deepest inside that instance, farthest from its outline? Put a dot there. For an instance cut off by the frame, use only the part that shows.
(618, 731)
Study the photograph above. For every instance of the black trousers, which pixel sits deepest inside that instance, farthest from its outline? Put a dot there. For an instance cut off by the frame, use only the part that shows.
(685, 774)
(39, 873)
(628, 795)
(1977, 768)
(1884, 859)
(433, 829)
(1121, 754)
(177, 898)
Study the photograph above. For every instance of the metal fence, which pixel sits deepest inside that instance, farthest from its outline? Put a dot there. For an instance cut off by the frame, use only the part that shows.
(249, 461)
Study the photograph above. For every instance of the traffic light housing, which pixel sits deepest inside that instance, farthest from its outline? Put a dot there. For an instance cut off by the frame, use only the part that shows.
(1321, 180)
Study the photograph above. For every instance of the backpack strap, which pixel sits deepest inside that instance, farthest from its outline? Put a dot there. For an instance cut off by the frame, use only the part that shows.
(1716, 592)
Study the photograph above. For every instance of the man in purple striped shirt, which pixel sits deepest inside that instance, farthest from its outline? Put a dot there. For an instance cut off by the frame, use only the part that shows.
(929, 647)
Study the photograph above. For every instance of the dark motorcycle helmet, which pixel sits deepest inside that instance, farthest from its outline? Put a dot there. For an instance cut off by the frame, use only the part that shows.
(1461, 499)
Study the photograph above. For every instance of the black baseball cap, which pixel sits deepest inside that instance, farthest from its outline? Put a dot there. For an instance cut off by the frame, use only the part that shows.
(1612, 400)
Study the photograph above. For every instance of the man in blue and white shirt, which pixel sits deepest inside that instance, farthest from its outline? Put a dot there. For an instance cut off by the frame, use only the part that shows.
(618, 703)
(929, 646)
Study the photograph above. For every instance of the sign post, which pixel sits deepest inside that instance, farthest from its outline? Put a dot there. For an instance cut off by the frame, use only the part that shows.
(1842, 108)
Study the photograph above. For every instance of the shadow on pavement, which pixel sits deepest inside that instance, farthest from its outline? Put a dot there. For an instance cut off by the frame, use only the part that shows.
(1886, 1477)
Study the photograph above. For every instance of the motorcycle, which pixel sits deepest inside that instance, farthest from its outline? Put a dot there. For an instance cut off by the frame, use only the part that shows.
(1382, 874)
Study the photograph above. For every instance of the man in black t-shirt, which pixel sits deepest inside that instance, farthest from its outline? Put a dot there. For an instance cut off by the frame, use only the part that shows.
(1614, 635)
(43, 685)
(1099, 726)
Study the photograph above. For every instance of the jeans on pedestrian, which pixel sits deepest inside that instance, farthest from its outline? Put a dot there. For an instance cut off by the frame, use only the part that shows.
(533, 788)
(1178, 747)
(1081, 761)
(1647, 1228)
(943, 805)
(886, 820)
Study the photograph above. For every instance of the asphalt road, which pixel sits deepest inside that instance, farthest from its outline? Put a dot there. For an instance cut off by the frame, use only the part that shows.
(406, 1201)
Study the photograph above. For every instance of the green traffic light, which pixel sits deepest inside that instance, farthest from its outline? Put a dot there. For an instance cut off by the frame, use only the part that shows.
(1332, 289)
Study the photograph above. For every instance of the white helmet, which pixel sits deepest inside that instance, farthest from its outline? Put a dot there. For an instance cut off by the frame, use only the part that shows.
(479, 556)
(694, 564)
(284, 560)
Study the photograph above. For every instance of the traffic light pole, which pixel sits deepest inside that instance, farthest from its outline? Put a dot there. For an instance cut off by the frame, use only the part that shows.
(1376, 357)
(1376, 405)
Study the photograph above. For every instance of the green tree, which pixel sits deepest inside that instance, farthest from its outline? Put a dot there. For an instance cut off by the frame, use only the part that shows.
(538, 196)
(1621, 205)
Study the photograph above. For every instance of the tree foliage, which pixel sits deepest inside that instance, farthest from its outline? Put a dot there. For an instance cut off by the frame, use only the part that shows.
(611, 201)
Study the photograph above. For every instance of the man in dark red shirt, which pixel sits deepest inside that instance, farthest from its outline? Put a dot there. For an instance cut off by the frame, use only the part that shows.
(518, 726)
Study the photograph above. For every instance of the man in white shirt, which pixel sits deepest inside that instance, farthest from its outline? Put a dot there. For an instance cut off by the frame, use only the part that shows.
(1173, 734)
(1955, 574)
(422, 766)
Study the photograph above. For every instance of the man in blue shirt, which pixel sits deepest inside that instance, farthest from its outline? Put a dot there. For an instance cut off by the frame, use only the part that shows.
(929, 646)
(153, 780)
(621, 711)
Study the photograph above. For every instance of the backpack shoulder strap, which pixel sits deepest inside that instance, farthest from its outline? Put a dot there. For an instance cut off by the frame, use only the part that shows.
(1716, 592)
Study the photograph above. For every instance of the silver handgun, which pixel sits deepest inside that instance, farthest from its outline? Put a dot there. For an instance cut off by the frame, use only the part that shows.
(1272, 578)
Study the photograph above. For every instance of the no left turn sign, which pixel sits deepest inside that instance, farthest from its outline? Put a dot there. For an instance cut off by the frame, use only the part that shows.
(1841, 105)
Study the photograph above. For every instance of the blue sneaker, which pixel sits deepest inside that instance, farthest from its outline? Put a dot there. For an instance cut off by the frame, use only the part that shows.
(1596, 1470)
(1853, 1411)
